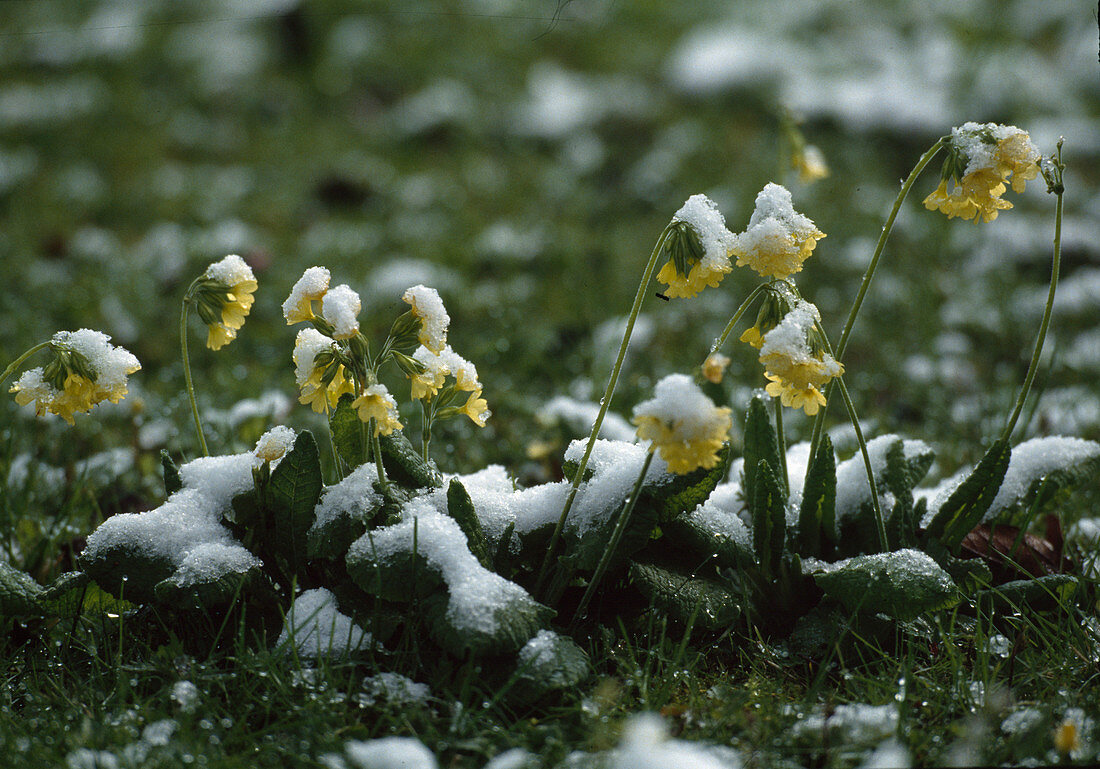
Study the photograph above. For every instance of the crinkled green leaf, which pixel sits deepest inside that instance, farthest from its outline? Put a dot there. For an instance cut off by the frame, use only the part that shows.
(684, 597)
(703, 543)
(670, 496)
(817, 518)
(172, 480)
(461, 508)
(548, 663)
(127, 571)
(964, 509)
(404, 465)
(349, 434)
(19, 593)
(1039, 594)
(400, 577)
(62, 597)
(512, 624)
(769, 522)
(902, 584)
(292, 495)
(215, 593)
(760, 445)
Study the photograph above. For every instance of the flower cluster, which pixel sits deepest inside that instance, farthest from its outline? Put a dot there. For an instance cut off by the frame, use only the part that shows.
(428, 382)
(795, 364)
(981, 159)
(223, 297)
(682, 424)
(778, 239)
(697, 243)
(86, 370)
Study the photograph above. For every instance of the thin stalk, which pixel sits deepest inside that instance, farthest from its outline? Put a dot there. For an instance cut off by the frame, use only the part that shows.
(376, 449)
(613, 543)
(880, 521)
(187, 370)
(869, 275)
(721, 340)
(16, 363)
(782, 442)
(425, 429)
(605, 403)
(1041, 338)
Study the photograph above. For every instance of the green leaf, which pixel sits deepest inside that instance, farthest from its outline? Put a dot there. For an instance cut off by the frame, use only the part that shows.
(127, 570)
(506, 626)
(461, 508)
(769, 523)
(760, 445)
(19, 593)
(685, 597)
(902, 584)
(670, 496)
(817, 518)
(214, 591)
(404, 465)
(964, 509)
(349, 434)
(292, 494)
(704, 542)
(62, 597)
(1048, 470)
(548, 663)
(1040, 594)
(400, 577)
(172, 480)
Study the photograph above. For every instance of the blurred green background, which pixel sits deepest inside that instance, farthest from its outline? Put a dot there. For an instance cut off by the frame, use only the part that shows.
(522, 156)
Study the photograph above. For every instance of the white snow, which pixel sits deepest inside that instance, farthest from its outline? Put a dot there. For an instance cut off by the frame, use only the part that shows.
(390, 753)
(852, 488)
(354, 495)
(275, 443)
(428, 307)
(311, 286)
(851, 723)
(788, 338)
(646, 745)
(681, 406)
(316, 628)
(1033, 460)
(232, 270)
(186, 695)
(307, 345)
(464, 372)
(340, 307)
(111, 364)
(393, 689)
(579, 416)
(719, 515)
(702, 214)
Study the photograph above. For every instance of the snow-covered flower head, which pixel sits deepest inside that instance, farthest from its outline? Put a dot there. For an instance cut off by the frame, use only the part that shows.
(340, 308)
(376, 403)
(795, 369)
(86, 369)
(275, 443)
(464, 372)
(321, 377)
(428, 309)
(309, 288)
(430, 378)
(224, 297)
(697, 243)
(682, 424)
(981, 159)
(778, 239)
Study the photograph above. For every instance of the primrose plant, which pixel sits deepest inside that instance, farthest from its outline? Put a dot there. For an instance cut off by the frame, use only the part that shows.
(786, 540)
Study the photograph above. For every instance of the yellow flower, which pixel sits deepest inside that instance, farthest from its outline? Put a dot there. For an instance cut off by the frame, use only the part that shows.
(376, 403)
(697, 243)
(808, 398)
(752, 336)
(1066, 737)
(683, 425)
(435, 369)
(978, 193)
(225, 297)
(810, 164)
(309, 288)
(700, 276)
(715, 366)
(275, 443)
(476, 408)
(428, 309)
(320, 396)
(778, 239)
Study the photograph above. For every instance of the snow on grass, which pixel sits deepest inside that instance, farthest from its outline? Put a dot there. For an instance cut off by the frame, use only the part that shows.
(390, 753)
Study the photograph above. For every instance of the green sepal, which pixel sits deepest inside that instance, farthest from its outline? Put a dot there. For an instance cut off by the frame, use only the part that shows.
(686, 598)
(760, 445)
(817, 532)
(291, 496)
(903, 584)
(404, 465)
(513, 625)
(172, 480)
(349, 434)
(1039, 594)
(19, 593)
(461, 508)
(769, 522)
(964, 509)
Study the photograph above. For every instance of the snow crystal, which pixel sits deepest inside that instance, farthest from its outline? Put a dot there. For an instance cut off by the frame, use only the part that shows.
(579, 416)
(275, 443)
(212, 560)
(852, 488)
(390, 753)
(354, 496)
(393, 689)
(231, 270)
(186, 695)
(704, 217)
(477, 595)
(1034, 459)
(111, 364)
(464, 372)
(312, 285)
(316, 628)
(433, 315)
(340, 307)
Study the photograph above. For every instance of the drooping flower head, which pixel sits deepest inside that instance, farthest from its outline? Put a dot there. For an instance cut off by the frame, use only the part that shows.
(682, 424)
(321, 377)
(476, 408)
(779, 298)
(428, 310)
(376, 403)
(86, 369)
(309, 288)
(810, 164)
(697, 244)
(795, 365)
(340, 309)
(778, 239)
(981, 159)
(223, 298)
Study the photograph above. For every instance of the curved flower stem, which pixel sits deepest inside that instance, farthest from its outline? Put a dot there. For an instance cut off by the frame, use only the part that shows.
(16, 363)
(880, 520)
(869, 275)
(187, 368)
(605, 402)
(613, 543)
(721, 340)
(1045, 324)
